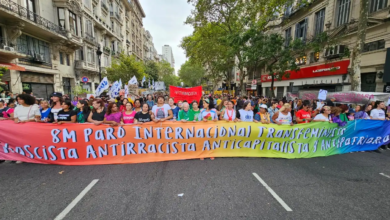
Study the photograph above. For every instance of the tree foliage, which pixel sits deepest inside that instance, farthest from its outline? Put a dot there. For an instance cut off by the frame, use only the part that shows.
(125, 67)
(152, 69)
(191, 74)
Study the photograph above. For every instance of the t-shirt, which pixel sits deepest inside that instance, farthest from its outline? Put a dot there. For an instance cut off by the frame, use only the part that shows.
(98, 116)
(82, 117)
(161, 112)
(65, 116)
(229, 115)
(114, 117)
(141, 117)
(55, 112)
(128, 118)
(175, 112)
(186, 115)
(303, 115)
(7, 114)
(196, 114)
(3, 110)
(321, 117)
(150, 103)
(263, 118)
(45, 113)
(209, 115)
(246, 115)
(377, 114)
(26, 113)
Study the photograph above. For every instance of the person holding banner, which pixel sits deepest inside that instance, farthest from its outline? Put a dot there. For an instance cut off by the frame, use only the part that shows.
(378, 113)
(128, 115)
(83, 111)
(360, 114)
(66, 115)
(186, 114)
(303, 115)
(113, 116)
(175, 109)
(137, 105)
(207, 113)
(123, 106)
(245, 114)
(98, 111)
(143, 116)
(263, 116)
(162, 112)
(229, 114)
(195, 109)
(27, 110)
(324, 116)
(283, 116)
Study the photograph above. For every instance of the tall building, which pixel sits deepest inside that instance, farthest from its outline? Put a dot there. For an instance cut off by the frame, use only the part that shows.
(52, 45)
(150, 50)
(168, 54)
(340, 19)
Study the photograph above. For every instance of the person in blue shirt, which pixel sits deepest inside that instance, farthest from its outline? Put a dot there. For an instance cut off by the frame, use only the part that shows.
(175, 109)
(45, 111)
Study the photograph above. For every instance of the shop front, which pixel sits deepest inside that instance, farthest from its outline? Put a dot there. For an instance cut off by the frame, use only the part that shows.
(41, 85)
(330, 76)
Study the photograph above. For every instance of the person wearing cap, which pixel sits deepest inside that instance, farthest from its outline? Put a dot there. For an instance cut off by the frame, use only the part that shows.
(207, 113)
(262, 116)
(56, 105)
(303, 115)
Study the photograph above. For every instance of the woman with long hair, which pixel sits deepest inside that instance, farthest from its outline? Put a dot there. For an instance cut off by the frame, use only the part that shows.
(222, 105)
(228, 114)
(161, 111)
(175, 109)
(368, 109)
(283, 116)
(245, 114)
(207, 113)
(113, 115)
(122, 108)
(143, 116)
(137, 105)
(335, 115)
(128, 114)
(360, 114)
(83, 111)
(66, 115)
(324, 115)
(195, 109)
(27, 110)
(96, 116)
(56, 104)
(378, 113)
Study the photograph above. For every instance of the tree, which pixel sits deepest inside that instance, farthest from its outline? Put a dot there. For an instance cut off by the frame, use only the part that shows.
(167, 75)
(152, 69)
(191, 74)
(358, 48)
(79, 90)
(125, 67)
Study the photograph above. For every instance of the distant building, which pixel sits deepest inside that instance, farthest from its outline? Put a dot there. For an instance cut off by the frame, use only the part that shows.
(168, 54)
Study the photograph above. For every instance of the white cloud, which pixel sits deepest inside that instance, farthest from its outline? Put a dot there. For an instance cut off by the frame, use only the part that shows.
(165, 22)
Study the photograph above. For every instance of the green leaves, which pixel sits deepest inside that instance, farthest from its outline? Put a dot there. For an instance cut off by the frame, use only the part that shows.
(191, 74)
(125, 67)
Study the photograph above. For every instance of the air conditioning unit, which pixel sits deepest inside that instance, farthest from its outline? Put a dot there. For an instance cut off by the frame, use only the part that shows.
(8, 48)
(334, 52)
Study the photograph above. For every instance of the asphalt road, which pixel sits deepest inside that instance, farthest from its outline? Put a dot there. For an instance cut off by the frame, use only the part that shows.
(347, 186)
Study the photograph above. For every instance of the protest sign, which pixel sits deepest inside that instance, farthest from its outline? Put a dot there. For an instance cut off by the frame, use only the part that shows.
(341, 97)
(322, 94)
(87, 144)
(160, 85)
(188, 94)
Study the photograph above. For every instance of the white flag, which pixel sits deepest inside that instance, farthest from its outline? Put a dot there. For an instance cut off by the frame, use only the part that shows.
(143, 80)
(102, 86)
(114, 92)
(133, 81)
(120, 83)
(126, 90)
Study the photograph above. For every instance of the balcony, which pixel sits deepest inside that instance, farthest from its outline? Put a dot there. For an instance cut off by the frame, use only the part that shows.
(104, 6)
(128, 42)
(116, 16)
(46, 29)
(84, 65)
(34, 58)
(7, 52)
(88, 37)
(96, 1)
(106, 50)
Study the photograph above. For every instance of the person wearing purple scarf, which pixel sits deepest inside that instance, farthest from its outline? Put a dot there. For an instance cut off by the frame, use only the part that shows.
(336, 116)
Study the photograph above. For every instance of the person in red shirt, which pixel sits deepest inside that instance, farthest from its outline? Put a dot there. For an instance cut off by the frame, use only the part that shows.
(304, 115)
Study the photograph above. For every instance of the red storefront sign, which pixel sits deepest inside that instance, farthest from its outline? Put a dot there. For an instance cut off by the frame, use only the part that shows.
(329, 69)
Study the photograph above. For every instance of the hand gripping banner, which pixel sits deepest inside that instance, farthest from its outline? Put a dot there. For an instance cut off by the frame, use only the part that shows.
(87, 144)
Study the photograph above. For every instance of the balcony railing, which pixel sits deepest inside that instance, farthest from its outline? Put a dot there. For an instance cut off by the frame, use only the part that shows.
(104, 6)
(88, 37)
(117, 16)
(128, 42)
(23, 12)
(81, 64)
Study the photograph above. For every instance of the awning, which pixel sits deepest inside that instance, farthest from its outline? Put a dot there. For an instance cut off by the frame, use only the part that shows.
(12, 66)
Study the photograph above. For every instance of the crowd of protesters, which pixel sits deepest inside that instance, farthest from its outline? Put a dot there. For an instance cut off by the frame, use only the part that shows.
(156, 108)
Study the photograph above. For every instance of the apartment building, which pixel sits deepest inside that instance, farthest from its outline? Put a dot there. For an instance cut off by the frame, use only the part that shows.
(325, 70)
(168, 54)
(150, 52)
(54, 45)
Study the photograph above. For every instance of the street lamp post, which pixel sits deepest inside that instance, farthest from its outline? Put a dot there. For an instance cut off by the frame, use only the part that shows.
(99, 55)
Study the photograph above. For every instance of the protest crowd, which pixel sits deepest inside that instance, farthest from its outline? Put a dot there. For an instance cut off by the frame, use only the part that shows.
(159, 107)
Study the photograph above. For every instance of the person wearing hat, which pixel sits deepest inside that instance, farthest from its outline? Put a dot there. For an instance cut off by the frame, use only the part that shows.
(262, 116)
(56, 106)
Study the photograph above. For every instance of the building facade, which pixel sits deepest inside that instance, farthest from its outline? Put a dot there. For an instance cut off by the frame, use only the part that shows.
(52, 45)
(327, 69)
(168, 54)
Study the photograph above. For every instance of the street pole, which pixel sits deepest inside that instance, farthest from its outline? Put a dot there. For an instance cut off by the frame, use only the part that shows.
(99, 55)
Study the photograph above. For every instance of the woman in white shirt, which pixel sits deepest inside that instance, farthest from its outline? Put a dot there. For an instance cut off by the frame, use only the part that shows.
(378, 113)
(229, 114)
(27, 110)
(324, 116)
(162, 112)
(245, 114)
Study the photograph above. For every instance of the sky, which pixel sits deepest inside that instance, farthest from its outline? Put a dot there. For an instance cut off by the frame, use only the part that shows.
(165, 22)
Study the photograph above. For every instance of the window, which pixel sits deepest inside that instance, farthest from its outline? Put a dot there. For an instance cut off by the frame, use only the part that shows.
(288, 37)
(372, 46)
(301, 30)
(105, 42)
(90, 57)
(61, 18)
(88, 28)
(106, 61)
(314, 57)
(320, 22)
(30, 5)
(34, 48)
(343, 9)
(61, 58)
(73, 22)
(376, 5)
(67, 60)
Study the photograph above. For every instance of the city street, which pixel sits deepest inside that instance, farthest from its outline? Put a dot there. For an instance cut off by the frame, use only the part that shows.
(350, 186)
